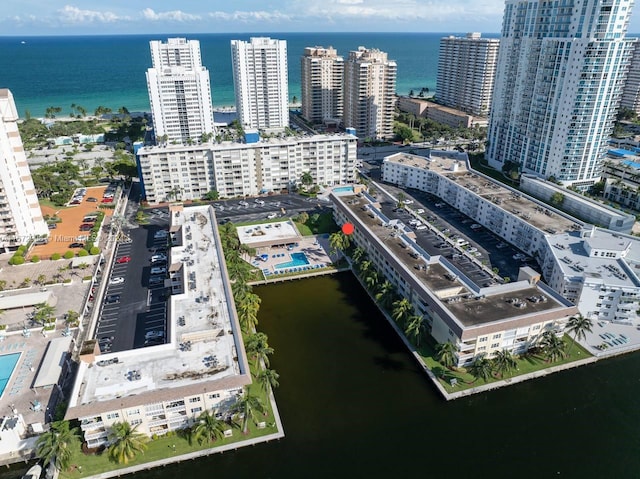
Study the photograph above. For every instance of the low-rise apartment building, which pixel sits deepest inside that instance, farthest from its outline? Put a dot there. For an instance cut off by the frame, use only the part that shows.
(245, 169)
(478, 319)
(201, 366)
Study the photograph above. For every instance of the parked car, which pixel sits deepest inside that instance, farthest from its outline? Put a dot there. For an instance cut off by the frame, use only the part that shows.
(118, 280)
(158, 257)
(89, 219)
(91, 199)
(76, 245)
(123, 259)
(86, 227)
(158, 270)
(243, 203)
(112, 298)
(272, 216)
(107, 200)
(408, 202)
(259, 201)
(52, 226)
(156, 279)
(160, 234)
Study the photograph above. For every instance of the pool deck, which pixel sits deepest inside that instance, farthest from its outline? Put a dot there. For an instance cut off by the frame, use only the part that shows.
(315, 248)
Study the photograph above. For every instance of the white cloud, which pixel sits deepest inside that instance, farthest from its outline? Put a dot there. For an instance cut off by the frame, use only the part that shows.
(257, 16)
(71, 14)
(172, 16)
(350, 2)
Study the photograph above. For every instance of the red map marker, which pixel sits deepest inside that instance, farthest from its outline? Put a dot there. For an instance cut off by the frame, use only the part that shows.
(347, 228)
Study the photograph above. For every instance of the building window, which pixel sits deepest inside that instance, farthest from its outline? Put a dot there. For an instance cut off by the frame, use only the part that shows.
(196, 410)
(135, 422)
(495, 345)
(482, 340)
(496, 336)
(194, 399)
(214, 396)
(113, 415)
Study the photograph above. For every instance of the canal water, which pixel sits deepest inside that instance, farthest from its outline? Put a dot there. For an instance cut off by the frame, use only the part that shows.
(354, 404)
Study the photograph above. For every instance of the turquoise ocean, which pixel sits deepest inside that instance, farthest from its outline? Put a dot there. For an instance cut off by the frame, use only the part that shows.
(89, 71)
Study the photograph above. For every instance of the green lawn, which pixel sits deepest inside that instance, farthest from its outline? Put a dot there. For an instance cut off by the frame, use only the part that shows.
(525, 365)
(324, 224)
(164, 446)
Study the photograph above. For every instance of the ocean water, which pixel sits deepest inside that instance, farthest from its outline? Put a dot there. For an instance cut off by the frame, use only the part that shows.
(110, 70)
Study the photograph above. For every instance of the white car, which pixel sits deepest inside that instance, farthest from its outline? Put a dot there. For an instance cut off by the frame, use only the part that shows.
(118, 280)
(421, 227)
(408, 202)
(420, 211)
(160, 234)
(259, 201)
(158, 270)
(272, 216)
(158, 257)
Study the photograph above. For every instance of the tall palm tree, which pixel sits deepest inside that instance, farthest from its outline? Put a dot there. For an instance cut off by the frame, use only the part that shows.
(402, 309)
(372, 280)
(446, 354)
(579, 325)
(358, 255)
(248, 312)
(126, 443)
(248, 407)
(339, 241)
(44, 312)
(240, 289)
(268, 378)
(481, 368)
(257, 346)
(416, 327)
(208, 428)
(57, 444)
(365, 266)
(504, 362)
(552, 346)
(386, 295)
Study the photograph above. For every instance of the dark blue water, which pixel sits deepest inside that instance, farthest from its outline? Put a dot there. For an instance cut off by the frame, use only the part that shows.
(110, 70)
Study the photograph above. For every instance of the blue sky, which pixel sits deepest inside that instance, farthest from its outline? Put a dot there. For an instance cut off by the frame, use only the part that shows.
(59, 17)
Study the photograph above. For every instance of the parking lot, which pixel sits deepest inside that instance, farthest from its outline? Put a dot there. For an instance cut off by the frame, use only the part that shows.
(265, 207)
(134, 306)
(446, 226)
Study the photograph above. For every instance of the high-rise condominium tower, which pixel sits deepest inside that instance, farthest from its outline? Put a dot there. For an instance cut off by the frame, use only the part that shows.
(322, 79)
(20, 215)
(261, 83)
(558, 85)
(466, 72)
(369, 93)
(631, 93)
(179, 91)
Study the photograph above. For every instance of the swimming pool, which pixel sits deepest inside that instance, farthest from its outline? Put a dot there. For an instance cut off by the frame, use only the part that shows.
(297, 259)
(7, 365)
(343, 189)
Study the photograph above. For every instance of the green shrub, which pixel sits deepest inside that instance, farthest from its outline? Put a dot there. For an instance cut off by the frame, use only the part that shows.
(94, 250)
(67, 281)
(35, 259)
(83, 252)
(55, 256)
(69, 254)
(22, 249)
(16, 260)
(87, 278)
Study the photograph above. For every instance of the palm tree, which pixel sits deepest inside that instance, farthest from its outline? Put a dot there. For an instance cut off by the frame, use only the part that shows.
(416, 327)
(365, 266)
(402, 309)
(57, 444)
(307, 178)
(386, 294)
(257, 346)
(248, 312)
(268, 378)
(579, 326)
(446, 354)
(207, 429)
(126, 443)
(504, 362)
(358, 255)
(40, 280)
(247, 407)
(43, 313)
(481, 368)
(71, 317)
(371, 280)
(339, 242)
(552, 346)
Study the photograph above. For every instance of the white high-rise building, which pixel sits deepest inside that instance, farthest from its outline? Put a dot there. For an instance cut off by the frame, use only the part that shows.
(561, 67)
(631, 93)
(261, 83)
(20, 216)
(466, 72)
(369, 93)
(179, 91)
(321, 81)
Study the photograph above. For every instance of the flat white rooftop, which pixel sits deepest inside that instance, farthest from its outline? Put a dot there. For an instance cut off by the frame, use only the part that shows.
(266, 234)
(204, 351)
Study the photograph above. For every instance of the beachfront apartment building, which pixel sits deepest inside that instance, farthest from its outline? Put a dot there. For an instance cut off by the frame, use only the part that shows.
(631, 93)
(321, 81)
(478, 319)
(369, 93)
(198, 365)
(559, 79)
(577, 260)
(21, 219)
(260, 80)
(245, 169)
(179, 92)
(466, 73)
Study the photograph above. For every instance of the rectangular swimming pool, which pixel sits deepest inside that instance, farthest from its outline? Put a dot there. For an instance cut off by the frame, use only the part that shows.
(343, 189)
(297, 259)
(7, 365)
